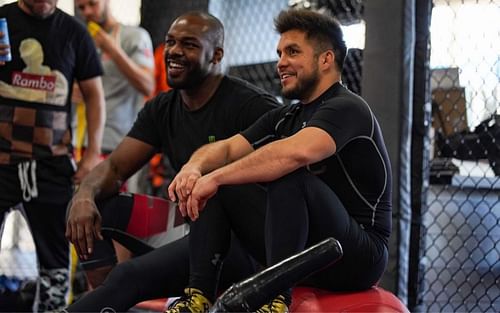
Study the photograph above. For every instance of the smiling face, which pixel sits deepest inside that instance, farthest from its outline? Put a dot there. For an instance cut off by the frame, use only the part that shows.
(297, 67)
(39, 8)
(189, 52)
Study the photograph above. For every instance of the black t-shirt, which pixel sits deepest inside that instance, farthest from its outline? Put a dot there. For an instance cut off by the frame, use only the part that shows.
(359, 172)
(35, 87)
(166, 124)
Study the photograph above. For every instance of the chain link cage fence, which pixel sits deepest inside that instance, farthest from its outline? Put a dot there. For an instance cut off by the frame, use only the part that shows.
(461, 268)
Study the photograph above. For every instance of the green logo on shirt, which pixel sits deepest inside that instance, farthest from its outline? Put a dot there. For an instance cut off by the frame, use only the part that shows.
(211, 139)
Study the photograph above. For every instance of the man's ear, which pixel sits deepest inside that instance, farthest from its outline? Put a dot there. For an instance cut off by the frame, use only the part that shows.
(218, 55)
(327, 59)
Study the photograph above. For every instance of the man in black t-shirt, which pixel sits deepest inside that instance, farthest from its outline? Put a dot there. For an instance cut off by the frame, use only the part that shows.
(324, 159)
(203, 106)
(50, 50)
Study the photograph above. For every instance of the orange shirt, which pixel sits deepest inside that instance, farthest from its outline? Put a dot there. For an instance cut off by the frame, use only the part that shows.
(160, 70)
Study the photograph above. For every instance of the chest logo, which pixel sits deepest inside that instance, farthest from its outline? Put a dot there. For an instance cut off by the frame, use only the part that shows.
(39, 82)
(36, 82)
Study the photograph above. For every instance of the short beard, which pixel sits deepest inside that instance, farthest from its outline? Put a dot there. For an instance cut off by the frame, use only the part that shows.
(34, 14)
(305, 86)
(193, 80)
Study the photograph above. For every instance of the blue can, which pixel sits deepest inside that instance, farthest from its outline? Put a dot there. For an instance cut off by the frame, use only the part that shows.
(5, 39)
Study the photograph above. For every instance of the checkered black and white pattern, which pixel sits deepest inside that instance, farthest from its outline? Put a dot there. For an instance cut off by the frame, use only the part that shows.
(29, 133)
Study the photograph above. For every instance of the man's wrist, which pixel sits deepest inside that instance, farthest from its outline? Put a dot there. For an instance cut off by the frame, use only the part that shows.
(92, 150)
(192, 167)
(84, 192)
(216, 178)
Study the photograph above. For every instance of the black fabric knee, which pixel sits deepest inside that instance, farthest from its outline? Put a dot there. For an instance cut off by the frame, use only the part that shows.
(115, 213)
(241, 208)
(161, 273)
(302, 211)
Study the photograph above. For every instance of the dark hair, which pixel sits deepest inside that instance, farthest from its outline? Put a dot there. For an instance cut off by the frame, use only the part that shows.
(216, 29)
(324, 30)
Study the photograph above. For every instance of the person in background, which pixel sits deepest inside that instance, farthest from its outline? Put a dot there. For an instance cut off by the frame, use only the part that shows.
(324, 161)
(203, 106)
(50, 50)
(127, 58)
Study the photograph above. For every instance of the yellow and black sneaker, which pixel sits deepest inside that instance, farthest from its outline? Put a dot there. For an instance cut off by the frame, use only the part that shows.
(193, 301)
(277, 305)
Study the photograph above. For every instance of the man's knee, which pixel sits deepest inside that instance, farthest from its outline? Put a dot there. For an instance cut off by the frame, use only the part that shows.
(124, 274)
(121, 275)
(102, 260)
(286, 182)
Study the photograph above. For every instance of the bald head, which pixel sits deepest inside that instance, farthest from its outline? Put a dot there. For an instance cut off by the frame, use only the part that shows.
(210, 26)
(193, 50)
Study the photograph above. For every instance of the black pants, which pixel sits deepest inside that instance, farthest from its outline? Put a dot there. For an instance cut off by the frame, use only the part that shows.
(302, 210)
(165, 272)
(41, 190)
(234, 209)
(115, 213)
(161, 273)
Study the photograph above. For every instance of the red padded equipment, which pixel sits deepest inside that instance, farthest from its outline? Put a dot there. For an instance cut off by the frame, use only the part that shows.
(375, 299)
(156, 305)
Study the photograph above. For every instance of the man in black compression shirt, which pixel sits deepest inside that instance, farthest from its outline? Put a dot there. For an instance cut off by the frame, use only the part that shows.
(204, 105)
(324, 159)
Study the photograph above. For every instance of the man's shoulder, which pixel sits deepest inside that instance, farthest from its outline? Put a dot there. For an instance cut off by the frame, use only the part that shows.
(133, 31)
(69, 24)
(237, 85)
(8, 8)
(242, 84)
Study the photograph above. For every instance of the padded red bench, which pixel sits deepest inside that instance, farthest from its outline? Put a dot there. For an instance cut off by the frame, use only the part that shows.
(148, 209)
(306, 299)
(376, 299)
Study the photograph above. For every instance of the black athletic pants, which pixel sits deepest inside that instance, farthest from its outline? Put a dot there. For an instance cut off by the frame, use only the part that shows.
(41, 189)
(301, 211)
(165, 272)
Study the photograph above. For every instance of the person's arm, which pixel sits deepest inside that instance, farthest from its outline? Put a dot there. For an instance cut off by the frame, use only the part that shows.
(272, 161)
(84, 220)
(141, 77)
(204, 160)
(93, 96)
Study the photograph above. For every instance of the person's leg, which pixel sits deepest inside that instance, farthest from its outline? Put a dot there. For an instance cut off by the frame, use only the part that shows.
(115, 213)
(160, 273)
(302, 211)
(47, 224)
(241, 208)
(209, 239)
(163, 272)
(245, 208)
(51, 189)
